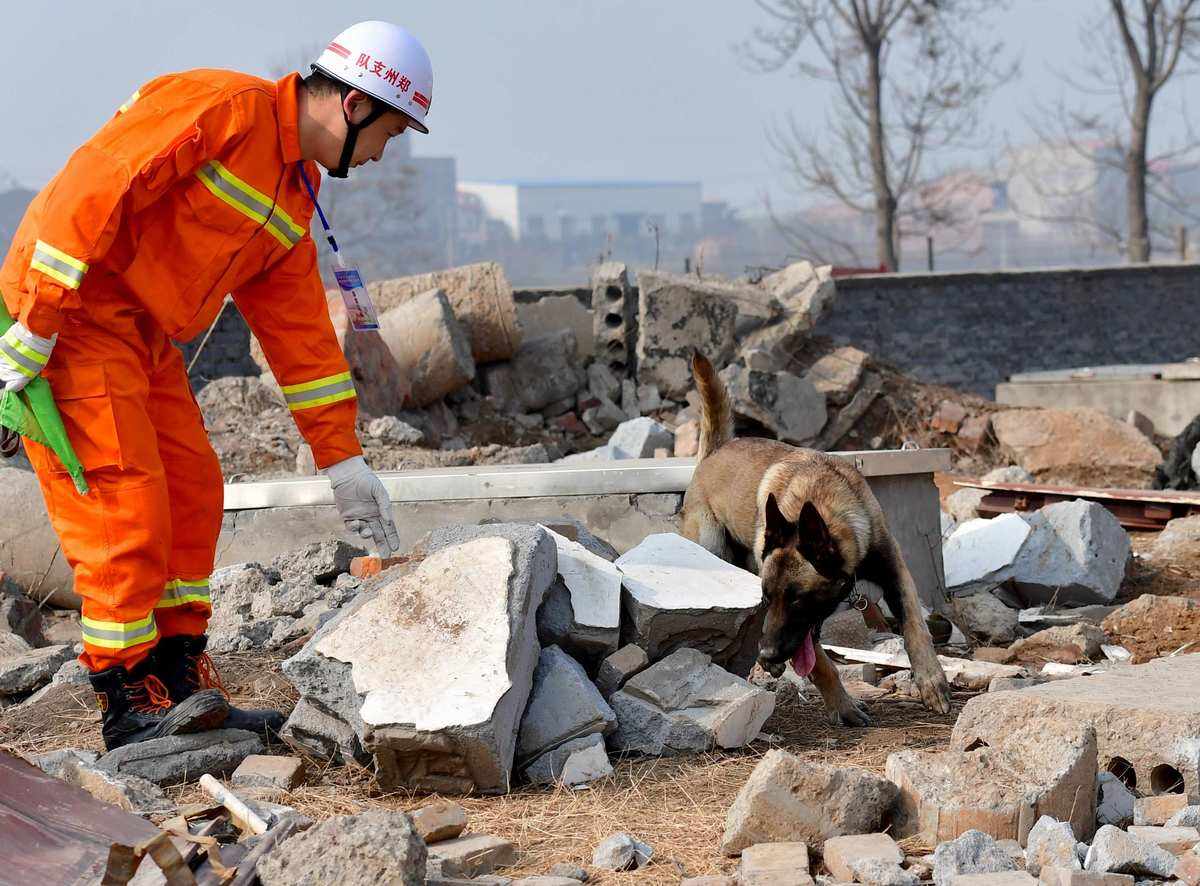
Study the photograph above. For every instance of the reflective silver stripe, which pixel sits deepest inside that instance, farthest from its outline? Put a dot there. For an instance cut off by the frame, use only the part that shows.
(41, 257)
(127, 638)
(179, 592)
(213, 177)
(317, 393)
(278, 224)
(18, 359)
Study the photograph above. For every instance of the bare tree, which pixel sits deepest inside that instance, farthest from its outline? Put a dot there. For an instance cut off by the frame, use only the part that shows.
(1136, 48)
(910, 76)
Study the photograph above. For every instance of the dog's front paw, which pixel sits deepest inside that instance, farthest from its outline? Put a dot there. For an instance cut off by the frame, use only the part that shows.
(934, 690)
(850, 712)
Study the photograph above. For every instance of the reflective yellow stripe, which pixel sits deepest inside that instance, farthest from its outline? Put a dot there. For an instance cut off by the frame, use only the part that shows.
(181, 591)
(129, 101)
(250, 202)
(319, 392)
(53, 262)
(35, 356)
(318, 383)
(324, 401)
(43, 246)
(118, 634)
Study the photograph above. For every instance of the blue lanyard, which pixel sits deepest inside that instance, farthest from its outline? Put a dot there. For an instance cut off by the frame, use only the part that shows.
(324, 222)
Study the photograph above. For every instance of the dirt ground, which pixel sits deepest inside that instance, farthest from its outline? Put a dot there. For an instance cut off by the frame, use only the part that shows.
(677, 805)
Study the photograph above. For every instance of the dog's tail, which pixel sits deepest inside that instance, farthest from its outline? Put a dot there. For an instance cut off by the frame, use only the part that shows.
(716, 413)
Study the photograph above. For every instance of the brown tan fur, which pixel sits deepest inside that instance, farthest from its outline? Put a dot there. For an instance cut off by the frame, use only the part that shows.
(809, 526)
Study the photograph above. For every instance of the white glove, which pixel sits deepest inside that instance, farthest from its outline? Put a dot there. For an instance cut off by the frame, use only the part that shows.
(363, 503)
(22, 356)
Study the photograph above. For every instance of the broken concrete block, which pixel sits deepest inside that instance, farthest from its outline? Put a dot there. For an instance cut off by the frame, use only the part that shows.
(602, 418)
(973, 852)
(1010, 474)
(837, 374)
(1176, 840)
(1145, 717)
(1048, 768)
(351, 850)
(1077, 877)
(627, 661)
(324, 735)
(603, 384)
(33, 669)
(678, 315)
(949, 416)
(1051, 843)
(394, 432)
(774, 864)
(1156, 810)
(1187, 817)
(980, 549)
(963, 505)
(614, 318)
(262, 771)
(582, 609)
(1036, 618)
(841, 854)
(542, 372)
(800, 295)
(873, 872)
(1115, 852)
(12, 645)
(472, 855)
(1114, 801)
(563, 705)
(321, 562)
(438, 821)
(1065, 644)
(788, 406)
(639, 437)
(787, 798)
(180, 758)
(685, 703)
(675, 593)
(578, 761)
(1072, 446)
(456, 730)
(984, 616)
(1002, 878)
(129, 792)
(20, 616)
(621, 852)
(1187, 869)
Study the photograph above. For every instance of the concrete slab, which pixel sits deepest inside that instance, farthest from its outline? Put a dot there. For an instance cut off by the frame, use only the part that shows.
(1146, 717)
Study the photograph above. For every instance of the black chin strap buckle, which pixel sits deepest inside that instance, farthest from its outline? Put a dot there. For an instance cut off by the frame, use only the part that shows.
(352, 130)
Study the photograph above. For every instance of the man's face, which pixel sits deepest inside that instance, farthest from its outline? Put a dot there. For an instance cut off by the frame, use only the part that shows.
(372, 140)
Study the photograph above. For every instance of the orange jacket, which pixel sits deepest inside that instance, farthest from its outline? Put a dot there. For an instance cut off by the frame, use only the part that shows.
(191, 191)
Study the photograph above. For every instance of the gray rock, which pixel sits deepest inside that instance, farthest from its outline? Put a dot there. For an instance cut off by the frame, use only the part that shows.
(72, 672)
(572, 871)
(629, 398)
(649, 400)
(542, 371)
(129, 792)
(19, 614)
(974, 852)
(639, 437)
(12, 645)
(984, 616)
(1050, 844)
(394, 432)
(603, 384)
(324, 735)
(350, 850)
(1114, 801)
(32, 670)
(621, 852)
(578, 761)
(1010, 474)
(1037, 618)
(619, 667)
(180, 758)
(1187, 817)
(321, 562)
(876, 872)
(563, 705)
(470, 856)
(963, 505)
(685, 703)
(837, 374)
(582, 609)
(1115, 852)
(603, 418)
(678, 315)
(787, 405)
(717, 611)
(1081, 851)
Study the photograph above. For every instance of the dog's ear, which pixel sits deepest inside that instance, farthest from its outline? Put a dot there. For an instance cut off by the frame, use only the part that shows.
(778, 531)
(816, 545)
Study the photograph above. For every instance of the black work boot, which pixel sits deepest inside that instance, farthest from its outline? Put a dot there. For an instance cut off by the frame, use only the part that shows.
(187, 670)
(135, 706)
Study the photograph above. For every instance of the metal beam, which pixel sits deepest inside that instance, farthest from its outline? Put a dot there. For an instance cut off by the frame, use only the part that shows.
(631, 476)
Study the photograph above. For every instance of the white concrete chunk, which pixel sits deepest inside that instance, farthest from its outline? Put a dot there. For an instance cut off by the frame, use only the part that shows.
(979, 548)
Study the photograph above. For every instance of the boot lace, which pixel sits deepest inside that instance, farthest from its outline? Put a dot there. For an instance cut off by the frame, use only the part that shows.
(149, 696)
(206, 675)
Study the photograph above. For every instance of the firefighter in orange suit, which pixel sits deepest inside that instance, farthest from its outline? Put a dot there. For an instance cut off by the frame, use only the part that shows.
(192, 190)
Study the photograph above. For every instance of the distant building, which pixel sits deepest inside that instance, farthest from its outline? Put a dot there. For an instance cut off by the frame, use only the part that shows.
(572, 210)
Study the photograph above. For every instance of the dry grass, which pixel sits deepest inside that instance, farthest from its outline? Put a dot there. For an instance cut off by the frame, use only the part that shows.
(677, 805)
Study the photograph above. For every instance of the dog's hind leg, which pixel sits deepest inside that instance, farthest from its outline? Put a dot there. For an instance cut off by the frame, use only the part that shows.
(699, 524)
(842, 706)
(884, 565)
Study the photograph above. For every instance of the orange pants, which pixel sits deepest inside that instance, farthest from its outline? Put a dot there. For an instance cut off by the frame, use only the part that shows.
(142, 541)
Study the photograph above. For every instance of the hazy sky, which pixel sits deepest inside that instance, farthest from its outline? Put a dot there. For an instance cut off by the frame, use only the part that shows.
(533, 89)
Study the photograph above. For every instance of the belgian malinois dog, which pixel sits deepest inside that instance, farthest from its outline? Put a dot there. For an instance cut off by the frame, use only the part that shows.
(809, 526)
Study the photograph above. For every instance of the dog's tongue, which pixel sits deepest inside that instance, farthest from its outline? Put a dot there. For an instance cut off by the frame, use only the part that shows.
(805, 658)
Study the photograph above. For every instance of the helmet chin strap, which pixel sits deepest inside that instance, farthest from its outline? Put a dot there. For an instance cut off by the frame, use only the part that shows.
(352, 130)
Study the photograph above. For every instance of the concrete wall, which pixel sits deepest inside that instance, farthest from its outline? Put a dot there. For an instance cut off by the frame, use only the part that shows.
(973, 330)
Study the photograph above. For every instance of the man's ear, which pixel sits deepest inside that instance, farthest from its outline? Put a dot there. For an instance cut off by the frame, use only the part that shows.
(778, 531)
(816, 545)
(357, 105)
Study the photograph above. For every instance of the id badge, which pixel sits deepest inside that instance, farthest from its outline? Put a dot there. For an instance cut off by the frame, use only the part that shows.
(358, 304)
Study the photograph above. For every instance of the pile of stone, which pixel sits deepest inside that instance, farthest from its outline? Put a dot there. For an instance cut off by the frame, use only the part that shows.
(37, 646)
(507, 652)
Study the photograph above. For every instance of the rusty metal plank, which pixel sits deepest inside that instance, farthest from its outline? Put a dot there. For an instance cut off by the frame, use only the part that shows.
(53, 832)
(1134, 508)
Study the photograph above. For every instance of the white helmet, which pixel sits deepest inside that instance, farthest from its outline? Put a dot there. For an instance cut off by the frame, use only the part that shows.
(387, 63)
